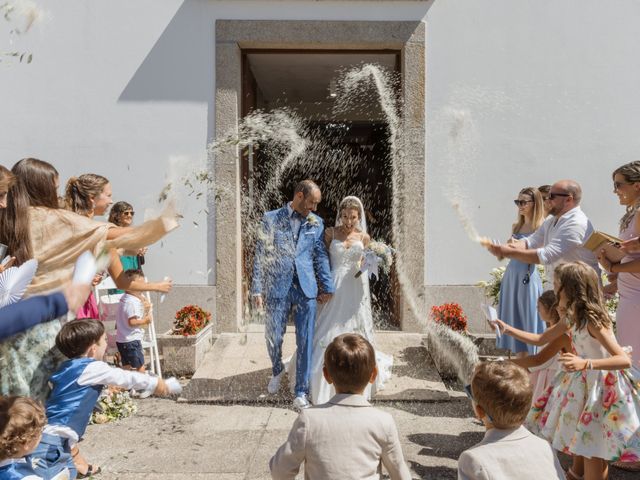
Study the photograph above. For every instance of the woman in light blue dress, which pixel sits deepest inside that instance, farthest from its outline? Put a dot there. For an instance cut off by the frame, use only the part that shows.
(521, 284)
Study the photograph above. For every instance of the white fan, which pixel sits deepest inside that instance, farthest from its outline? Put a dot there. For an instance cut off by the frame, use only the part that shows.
(15, 280)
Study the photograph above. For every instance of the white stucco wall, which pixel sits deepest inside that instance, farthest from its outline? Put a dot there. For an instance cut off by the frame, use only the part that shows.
(523, 93)
(518, 93)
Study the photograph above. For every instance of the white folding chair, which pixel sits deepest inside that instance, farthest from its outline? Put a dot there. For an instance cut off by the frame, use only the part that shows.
(152, 342)
(108, 305)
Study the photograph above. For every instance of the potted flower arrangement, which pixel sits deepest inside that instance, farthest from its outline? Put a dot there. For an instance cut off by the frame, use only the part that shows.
(183, 347)
(451, 315)
(190, 320)
(451, 347)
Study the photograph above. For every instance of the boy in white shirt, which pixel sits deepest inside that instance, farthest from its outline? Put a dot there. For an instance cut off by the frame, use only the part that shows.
(134, 313)
(501, 394)
(346, 437)
(76, 387)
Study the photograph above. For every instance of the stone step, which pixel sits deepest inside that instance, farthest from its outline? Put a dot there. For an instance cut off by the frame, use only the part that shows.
(237, 369)
(486, 343)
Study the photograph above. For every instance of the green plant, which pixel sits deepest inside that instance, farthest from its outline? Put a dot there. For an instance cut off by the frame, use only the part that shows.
(492, 287)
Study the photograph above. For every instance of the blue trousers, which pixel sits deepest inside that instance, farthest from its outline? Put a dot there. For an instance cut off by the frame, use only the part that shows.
(51, 456)
(277, 313)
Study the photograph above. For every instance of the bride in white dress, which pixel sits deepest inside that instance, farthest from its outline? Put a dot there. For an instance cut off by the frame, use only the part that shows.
(349, 310)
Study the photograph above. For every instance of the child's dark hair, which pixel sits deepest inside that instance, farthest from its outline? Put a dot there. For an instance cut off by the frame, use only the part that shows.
(133, 273)
(21, 422)
(350, 361)
(77, 336)
(549, 301)
(503, 390)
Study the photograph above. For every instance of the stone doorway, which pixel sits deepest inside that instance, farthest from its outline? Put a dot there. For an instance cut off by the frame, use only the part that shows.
(235, 37)
(304, 82)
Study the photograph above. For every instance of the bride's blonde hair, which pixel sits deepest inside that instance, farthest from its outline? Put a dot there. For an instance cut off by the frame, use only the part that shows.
(349, 204)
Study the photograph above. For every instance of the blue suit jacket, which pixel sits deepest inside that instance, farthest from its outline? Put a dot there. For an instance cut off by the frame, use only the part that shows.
(277, 256)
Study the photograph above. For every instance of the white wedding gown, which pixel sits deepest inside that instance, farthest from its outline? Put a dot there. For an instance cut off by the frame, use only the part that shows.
(349, 310)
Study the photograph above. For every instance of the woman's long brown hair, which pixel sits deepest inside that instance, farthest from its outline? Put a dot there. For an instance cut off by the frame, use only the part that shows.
(35, 186)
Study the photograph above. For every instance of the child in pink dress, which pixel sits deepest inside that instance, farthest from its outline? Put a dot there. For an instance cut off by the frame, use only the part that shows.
(543, 375)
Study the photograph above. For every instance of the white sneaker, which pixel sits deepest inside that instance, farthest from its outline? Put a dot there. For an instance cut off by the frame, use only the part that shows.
(301, 402)
(274, 383)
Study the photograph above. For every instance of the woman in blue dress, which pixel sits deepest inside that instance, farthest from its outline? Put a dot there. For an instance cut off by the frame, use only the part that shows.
(521, 284)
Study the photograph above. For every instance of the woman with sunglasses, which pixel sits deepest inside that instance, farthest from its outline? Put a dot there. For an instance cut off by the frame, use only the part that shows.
(521, 285)
(121, 214)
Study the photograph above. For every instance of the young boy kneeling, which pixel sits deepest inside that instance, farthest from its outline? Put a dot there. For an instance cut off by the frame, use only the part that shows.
(346, 437)
(501, 394)
(76, 387)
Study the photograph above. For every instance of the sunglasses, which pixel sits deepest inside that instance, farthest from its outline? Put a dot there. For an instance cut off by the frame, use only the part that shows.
(554, 195)
(617, 185)
(129, 213)
(522, 203)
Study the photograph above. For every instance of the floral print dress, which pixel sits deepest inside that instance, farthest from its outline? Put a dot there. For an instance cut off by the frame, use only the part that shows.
(591, 413)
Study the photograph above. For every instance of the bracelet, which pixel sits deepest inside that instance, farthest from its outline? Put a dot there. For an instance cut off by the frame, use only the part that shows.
(588, 365)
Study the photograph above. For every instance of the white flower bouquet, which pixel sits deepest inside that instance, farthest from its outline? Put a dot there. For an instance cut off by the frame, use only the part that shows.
(115, 405)
(377, 255)
(492, 287)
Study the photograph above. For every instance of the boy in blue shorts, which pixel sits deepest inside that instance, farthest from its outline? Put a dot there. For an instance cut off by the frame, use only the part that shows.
(134, 313)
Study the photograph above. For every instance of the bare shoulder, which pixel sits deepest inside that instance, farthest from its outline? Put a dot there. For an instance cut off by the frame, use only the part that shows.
(328, 233)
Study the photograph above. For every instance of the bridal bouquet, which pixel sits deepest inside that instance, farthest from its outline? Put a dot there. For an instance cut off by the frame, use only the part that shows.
(113, 406)
(376, 255)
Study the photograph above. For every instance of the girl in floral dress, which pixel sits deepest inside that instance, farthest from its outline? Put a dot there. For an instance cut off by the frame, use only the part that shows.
(592, 409)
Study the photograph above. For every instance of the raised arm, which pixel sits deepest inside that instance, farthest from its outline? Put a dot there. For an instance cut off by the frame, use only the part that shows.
(546, 354)
(537, 339)
(124, 283)
(23, 315)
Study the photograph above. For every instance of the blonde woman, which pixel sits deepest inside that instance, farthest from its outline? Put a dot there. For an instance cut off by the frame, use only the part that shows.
(521, 284)
(626, 185)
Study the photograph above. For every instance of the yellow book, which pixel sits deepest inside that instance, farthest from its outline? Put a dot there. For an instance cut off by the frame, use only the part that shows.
(603, 241)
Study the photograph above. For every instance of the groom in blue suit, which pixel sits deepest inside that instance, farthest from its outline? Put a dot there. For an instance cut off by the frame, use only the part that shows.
(290, 261)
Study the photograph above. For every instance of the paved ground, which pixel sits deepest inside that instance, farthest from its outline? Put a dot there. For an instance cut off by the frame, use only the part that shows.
(237, 369)
(166, 440)
(234, 437)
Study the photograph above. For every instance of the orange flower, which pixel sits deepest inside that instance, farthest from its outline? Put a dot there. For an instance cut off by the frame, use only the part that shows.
(190, 319)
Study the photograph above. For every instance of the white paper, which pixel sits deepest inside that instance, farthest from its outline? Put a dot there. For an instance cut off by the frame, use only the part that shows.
(84, 270)
(173, 385)
(491, 315)
(162, 296)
